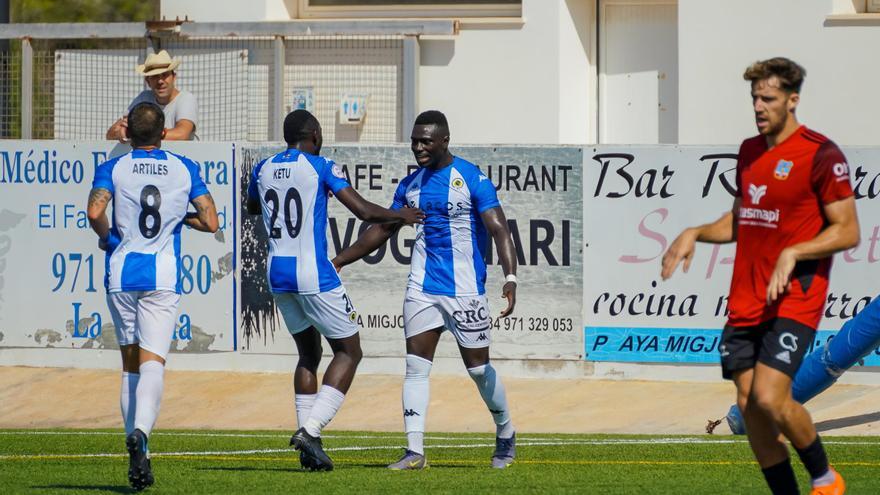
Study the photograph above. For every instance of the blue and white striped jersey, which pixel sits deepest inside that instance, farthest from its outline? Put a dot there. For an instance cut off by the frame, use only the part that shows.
(151, 190)
(293, 188)
(448, 254)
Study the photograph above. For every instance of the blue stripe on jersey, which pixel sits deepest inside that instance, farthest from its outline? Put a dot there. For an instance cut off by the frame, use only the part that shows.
(156, 153)
(328, 279)
(282, 274)
(480, 243)
(179, 287)
(439, 267)
(139, 272)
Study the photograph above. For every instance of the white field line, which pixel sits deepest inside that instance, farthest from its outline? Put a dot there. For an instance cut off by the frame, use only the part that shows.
(559, 441)
(522, 443)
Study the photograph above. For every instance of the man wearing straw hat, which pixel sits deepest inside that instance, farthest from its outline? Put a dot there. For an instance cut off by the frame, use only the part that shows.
(179, 106)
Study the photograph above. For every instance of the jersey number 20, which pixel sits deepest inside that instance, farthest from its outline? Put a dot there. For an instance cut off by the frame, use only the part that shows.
(271, 197)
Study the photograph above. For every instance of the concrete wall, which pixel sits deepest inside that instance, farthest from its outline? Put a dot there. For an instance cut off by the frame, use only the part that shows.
(515, 84)
(228, 11)
(839, 94)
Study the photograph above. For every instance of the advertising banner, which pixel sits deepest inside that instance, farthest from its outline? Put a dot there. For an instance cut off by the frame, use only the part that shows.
(637, 199)
(52, 272)
(540, 191)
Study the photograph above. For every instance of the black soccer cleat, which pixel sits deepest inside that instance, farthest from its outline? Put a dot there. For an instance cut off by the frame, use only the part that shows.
(312, 455)
(140, 474)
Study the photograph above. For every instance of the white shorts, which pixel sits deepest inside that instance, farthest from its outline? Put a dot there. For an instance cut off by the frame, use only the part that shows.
(331, 312)
(146, 318)
(467, 317)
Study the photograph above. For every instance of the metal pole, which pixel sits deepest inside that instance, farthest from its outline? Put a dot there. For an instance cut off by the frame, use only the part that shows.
(27, 89)
(276, 102)
(410, 96)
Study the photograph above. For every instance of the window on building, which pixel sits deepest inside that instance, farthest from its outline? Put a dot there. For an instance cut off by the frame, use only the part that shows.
(410, 8)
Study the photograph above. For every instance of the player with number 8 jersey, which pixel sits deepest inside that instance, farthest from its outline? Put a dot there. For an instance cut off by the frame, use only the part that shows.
(150, 190)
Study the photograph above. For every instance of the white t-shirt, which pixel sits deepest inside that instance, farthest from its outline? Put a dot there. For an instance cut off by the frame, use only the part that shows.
(182, 107)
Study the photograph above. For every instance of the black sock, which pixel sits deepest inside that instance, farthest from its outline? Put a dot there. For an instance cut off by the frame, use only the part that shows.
(780, 478)
(814, 458)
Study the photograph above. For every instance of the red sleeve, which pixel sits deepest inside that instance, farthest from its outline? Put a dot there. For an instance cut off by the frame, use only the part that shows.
(749, 151)
(830, 174)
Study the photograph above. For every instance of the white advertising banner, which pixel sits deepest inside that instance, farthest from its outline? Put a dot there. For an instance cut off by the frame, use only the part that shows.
(52, 272)
(540, 191)
(637, 200)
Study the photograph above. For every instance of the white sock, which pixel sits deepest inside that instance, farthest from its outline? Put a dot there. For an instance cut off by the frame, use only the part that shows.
(149, 395)
(304, 404)
(493, 394)
(327, 403)
(825, 479)
(127, 399)
(416, 395)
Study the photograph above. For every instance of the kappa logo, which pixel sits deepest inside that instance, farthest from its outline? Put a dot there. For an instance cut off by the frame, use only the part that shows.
(783, 168)
(757, 192)
(410, 412)
(482, 337)
(483, 177)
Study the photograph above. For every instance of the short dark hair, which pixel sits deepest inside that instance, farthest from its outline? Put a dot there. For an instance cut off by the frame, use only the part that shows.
(790, 74)
(298, 125)
(433, 117)
(145, 124)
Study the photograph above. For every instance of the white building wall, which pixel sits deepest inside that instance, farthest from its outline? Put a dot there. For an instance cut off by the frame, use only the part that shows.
(718, 39)
(526, 84)
(228, 11)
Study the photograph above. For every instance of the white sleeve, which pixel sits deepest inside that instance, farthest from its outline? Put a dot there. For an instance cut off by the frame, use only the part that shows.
(187, 108)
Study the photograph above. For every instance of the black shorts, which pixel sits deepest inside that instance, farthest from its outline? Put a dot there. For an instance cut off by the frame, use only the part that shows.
(779, 343)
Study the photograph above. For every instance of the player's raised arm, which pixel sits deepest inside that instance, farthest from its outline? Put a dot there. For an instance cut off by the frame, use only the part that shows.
(496, 224)
(371, 212)
(205, 217)
(720, 231)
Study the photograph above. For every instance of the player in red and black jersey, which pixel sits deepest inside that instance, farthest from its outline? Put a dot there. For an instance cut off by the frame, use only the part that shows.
(794, 209)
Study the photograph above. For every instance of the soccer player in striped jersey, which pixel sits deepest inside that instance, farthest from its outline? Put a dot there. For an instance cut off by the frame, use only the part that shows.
(150, 190)
(446, 282)
(290, 190)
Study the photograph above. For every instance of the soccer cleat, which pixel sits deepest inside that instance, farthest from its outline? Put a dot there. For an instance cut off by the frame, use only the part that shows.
(410, 460)
(837, 487)
(505, 451)
(313, 456)
(140, 475)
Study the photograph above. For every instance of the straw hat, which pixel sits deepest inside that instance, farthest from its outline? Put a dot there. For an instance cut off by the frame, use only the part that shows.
(158, 63)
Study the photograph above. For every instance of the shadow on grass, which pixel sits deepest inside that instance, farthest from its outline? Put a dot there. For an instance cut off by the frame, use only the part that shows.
(833, 424)
(96, 488)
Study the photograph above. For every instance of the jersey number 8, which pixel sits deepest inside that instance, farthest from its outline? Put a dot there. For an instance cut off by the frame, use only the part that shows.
(292, 194)
(151, 199)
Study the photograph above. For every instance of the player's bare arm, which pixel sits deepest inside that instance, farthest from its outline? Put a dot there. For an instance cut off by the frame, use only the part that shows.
(97, 211)
(841, 233)
(117, 130)
(496, 224)
(205, 217)
(369, 241)
(182, 131)
(720, 231)
(370, 212)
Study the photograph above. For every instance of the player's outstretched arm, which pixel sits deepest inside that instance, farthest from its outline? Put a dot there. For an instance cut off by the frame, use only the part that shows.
(205, 217)
(369, 241)
(496, 224)
(841, 233)
(370, 212)
(97, 211)
(682, 248)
